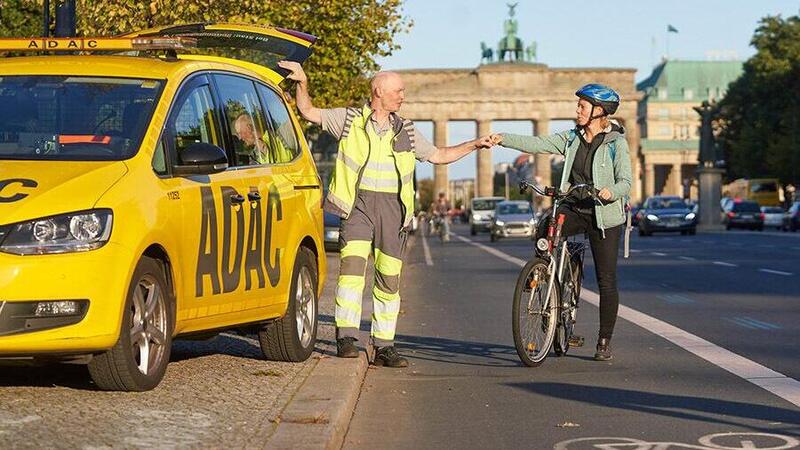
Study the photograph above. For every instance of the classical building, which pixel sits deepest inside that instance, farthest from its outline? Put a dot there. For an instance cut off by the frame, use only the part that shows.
(669, 126)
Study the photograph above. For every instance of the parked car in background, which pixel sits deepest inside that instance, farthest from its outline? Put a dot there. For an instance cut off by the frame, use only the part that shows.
(764, 191)
(666, 213)
(791, 219)
(773, 216)
(332, 223)
(743, 214)
(513, 219)
(482, 213)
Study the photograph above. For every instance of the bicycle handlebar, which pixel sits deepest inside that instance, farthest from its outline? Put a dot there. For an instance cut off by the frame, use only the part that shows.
(552, 191)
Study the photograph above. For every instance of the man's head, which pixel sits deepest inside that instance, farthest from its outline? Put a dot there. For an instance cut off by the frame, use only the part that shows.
(244, 129)
(388, 91)
(442, 195)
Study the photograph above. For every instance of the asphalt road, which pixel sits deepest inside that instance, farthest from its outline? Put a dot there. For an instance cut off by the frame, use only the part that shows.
(731, 298)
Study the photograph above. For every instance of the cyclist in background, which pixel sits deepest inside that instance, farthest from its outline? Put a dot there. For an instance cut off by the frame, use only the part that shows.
(596, 147)
(441, 213)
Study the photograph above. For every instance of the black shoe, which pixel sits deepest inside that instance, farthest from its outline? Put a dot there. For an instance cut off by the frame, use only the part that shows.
(603, 350)
(388, 356)
(576, 341)
(346, 348)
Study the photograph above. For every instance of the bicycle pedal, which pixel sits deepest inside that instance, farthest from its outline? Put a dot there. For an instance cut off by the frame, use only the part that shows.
(576, 341)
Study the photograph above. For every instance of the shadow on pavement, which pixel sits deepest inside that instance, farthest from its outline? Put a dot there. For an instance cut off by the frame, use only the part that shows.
(701, 409)
(40, 374)
(451, 351)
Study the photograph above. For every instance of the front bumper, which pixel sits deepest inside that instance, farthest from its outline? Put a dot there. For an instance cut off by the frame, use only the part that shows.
(669, 226)
(514, 230)
(99, 277)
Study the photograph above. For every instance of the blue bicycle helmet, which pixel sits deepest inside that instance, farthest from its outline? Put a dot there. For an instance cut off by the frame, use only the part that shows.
(599, 95)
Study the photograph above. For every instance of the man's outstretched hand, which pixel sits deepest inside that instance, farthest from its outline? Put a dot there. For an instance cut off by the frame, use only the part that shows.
(295, 69)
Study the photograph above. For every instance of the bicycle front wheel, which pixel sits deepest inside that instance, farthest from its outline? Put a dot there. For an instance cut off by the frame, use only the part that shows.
(534, 315)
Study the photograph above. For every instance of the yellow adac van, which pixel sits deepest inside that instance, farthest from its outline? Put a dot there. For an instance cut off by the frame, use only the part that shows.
(154, 191)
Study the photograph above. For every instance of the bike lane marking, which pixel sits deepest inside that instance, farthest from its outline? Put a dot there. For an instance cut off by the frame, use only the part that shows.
(773, 381)
(776, 272)
(724, 264)
(426, 250)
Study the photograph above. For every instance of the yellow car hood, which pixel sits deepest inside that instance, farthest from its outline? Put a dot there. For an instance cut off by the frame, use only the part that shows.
(33, 189)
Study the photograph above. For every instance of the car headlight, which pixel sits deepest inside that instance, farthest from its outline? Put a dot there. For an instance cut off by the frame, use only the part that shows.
(476, 217)
(499, 223)
(532, 222)
(652, 217)
(74, 232)
(690, 216)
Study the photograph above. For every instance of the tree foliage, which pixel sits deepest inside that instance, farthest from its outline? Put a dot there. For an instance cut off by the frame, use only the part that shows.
(352, 33)
(759, 114)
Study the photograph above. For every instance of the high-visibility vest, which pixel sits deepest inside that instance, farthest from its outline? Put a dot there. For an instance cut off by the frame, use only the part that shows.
(357, 144)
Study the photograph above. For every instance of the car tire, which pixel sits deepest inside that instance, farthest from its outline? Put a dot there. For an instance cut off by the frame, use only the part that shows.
(293, 336)
(149, 317)
(693, 232)
(473, 231)
(643, 233)
(761, 228)
(727, 228)
(492, 237)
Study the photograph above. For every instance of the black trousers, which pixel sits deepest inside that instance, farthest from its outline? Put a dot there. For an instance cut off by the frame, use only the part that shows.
(604, 253)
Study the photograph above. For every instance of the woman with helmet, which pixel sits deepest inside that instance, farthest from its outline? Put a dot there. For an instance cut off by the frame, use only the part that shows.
(595, 152)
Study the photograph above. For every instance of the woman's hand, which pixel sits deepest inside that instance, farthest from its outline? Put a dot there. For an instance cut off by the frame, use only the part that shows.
(496, 138)
(604, 194)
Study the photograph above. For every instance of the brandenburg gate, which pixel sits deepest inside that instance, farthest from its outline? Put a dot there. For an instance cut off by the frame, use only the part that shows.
(515, 90)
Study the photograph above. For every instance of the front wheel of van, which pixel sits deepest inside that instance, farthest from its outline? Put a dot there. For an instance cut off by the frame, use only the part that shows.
(293, 336)
(138, 360)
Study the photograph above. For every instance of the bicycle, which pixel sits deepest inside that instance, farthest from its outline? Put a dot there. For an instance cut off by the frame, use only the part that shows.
(547, 290)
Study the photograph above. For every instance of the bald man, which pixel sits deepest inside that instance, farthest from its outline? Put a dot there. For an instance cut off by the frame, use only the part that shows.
(244, 129)
(372, 190)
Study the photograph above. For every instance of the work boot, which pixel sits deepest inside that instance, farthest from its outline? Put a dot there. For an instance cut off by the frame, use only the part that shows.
(388, 356)
(603, 350)
(346, 347)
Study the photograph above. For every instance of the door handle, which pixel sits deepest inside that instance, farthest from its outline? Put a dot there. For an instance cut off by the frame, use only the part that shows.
(237, 199)
(253, 196)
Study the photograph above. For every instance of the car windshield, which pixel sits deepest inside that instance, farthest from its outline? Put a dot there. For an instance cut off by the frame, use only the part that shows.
(771, 210)
(74, 118)
(667, 204)
(484, 205)
(514, 209)
(768, 186)
(746, 207)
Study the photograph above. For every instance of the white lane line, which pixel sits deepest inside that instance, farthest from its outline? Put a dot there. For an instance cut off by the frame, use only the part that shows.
(635, 251)
(776, 272)
(658, 254)
(687, 258)
(426, 250)
(751, 371)
(724, 264)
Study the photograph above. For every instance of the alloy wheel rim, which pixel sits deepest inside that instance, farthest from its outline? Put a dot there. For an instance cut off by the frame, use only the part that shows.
(148, 334)
(305, 307)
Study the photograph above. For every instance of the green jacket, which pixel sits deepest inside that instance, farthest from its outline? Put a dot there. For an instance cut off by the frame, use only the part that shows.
(611, 167)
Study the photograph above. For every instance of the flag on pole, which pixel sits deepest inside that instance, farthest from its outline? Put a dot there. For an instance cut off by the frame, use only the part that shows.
(671, 29)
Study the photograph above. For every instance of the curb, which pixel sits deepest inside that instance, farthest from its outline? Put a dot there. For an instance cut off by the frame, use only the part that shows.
(318, 415)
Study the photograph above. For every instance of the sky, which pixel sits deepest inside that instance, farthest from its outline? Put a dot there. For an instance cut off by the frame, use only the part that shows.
(573, 33)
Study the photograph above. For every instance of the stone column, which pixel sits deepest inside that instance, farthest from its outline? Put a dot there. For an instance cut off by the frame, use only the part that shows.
(676, 180)
(710, 187)
(543, 165)
(440, 183)
(649, 180)
(484, 178)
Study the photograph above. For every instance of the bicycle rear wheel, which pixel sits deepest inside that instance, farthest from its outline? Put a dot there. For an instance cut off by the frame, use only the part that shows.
(534, 316)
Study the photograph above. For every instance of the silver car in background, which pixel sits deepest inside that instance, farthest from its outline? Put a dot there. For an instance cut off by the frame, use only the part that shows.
(773, 216)
(513, 218)
(481, 213)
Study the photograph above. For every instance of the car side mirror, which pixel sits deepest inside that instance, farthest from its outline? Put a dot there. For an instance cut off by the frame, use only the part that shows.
(201, 159)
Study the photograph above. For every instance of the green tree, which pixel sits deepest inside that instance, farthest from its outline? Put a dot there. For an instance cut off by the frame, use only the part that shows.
(759, 115)
(425, 192)
(352, 33)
